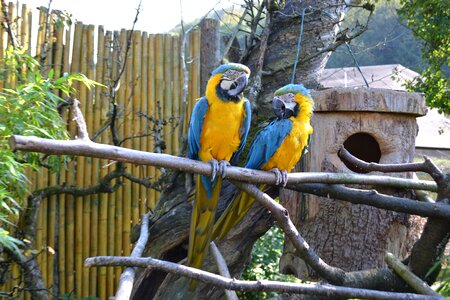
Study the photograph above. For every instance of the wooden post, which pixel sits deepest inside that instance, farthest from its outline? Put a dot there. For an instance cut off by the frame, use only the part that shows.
(210, 50)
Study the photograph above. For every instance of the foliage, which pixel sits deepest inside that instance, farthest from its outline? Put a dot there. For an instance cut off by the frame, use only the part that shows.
(443, 280)
(264, 265)
(429, 21)
(28, 106)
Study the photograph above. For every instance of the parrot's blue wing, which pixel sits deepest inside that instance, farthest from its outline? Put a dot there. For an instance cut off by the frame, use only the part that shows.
(266, 142)
(195, 127)
(245, 128)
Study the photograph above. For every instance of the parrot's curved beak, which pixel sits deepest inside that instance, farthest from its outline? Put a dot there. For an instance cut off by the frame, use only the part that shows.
(238, 85)
(283, 109)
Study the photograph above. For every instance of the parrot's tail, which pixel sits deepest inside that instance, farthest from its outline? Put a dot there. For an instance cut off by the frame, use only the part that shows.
(202, 222)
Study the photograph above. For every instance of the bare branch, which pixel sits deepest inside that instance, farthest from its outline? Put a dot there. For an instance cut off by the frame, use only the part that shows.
(373, 198)
(91, 149)
(410, 278)
(328, 291)
(427, 166)
(223, 269)
(127, 278)
(331, 274)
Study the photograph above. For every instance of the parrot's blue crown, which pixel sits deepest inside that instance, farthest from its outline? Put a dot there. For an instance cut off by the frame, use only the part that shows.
(231, 66)
(294, 89)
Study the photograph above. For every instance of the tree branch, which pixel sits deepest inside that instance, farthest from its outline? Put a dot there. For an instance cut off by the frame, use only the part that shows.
(91, 149)
(373, 198)
(331, 274)
(410, 278)
(329, 291)
(223, 269)
(427, 166)
(127, 278)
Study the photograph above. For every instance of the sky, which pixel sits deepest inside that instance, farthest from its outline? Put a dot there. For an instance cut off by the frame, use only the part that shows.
(156, 16)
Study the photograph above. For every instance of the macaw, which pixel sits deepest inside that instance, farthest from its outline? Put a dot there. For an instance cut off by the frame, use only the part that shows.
(277, 147)
(217, 133)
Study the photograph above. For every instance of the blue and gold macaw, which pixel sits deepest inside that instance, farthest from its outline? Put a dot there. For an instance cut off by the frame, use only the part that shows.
(277, 147)
(217, 134)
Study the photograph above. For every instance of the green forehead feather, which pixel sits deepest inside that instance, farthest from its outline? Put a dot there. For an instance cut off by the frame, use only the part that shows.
(231, 66)
(293, 89)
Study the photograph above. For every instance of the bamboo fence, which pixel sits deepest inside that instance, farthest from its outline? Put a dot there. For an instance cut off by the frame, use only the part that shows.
(71, 229)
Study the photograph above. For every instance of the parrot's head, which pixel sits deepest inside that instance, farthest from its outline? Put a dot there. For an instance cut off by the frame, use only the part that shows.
(228, 81)
(292, 100)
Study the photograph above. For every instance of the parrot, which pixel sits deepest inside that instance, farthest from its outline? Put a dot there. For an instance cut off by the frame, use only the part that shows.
(217, 134)
(277, 148)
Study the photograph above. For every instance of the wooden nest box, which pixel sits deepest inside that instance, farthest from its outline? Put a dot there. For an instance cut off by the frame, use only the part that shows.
(376, 125)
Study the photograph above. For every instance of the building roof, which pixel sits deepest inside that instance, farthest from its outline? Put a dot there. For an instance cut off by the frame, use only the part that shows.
(390, 77)
(434, 128)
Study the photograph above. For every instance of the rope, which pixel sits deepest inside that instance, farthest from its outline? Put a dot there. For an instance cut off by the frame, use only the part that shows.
(298, 45)
(356, 63)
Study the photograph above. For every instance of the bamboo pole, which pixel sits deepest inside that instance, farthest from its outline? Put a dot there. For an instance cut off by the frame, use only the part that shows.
(136, 131)
(25, 38)
(151, 171)
(101, 106)
(111, 72)
(168, 93)
(61, 236)
(159, 87)
(195, 67)
(176, 94)
(58, 52)
(65, 235)
(120, 194)
(127, 201)
(11, 77)
(41, 32)
(143, 122)
(51, 227)
(99, 77)
(43, 213)
(78, 45)
(103, 205)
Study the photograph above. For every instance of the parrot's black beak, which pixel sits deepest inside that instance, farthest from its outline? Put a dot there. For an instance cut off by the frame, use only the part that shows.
(238, 85)
(283, 109)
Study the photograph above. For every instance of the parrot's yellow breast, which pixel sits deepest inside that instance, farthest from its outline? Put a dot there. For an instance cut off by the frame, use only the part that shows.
(221, 136)
(291, 149)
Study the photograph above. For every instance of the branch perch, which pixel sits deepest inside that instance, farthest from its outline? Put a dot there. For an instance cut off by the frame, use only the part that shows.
(91, 149)
(329, 291)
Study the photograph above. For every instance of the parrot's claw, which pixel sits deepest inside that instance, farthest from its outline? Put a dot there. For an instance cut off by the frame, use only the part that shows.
(284, 175)
(280, 177)
(223, 164)
(214, 168)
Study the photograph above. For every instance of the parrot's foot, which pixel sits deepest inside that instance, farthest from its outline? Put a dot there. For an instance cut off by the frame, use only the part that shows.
(218, 168)
(281, 176)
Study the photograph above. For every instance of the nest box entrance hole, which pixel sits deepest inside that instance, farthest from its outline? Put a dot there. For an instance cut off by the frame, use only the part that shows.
(363, 146)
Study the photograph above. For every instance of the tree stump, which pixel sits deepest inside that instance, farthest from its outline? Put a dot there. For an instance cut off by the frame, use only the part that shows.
(375, 125)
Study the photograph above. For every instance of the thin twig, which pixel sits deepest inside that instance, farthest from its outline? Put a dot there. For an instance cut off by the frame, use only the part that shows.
(127, 278)
(223, 269)
(324, 290)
